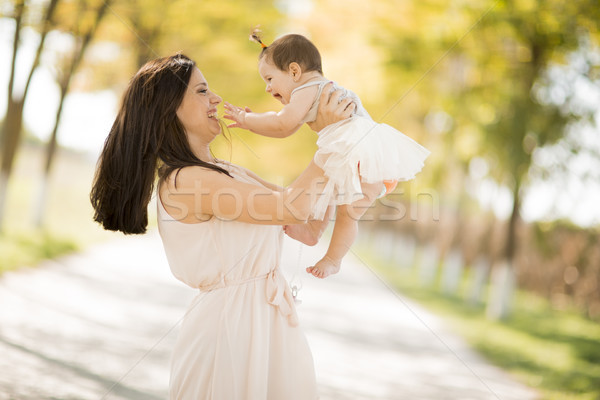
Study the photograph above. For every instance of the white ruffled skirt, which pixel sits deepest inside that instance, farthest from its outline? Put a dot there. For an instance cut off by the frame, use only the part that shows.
(383, 152)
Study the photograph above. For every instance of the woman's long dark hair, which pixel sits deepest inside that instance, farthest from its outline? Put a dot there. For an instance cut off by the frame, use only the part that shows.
(145, 131)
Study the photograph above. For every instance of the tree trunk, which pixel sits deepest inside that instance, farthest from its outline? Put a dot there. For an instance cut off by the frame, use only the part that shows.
(512, 223)
(65, 83)
(503, 283)
(8, 126)
(13, 122)
(19, 10)
(481, 269)
(501, 309)
(40, 202)
(428, 264)
(502, 290)
(3, 190)
(452, 272)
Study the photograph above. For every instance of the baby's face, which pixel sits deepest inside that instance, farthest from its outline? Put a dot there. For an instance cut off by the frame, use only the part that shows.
(279, 83)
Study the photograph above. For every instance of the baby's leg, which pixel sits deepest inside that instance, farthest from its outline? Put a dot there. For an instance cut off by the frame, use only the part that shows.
(345, 231)
(310, 232)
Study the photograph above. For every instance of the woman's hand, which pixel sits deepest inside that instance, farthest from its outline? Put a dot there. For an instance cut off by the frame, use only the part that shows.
(331, 109)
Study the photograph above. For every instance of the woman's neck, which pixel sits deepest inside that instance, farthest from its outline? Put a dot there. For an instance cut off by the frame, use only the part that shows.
(204, 155)
(201, 150)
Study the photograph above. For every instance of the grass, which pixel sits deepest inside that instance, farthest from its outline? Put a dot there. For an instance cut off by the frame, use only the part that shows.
(29, 248)
(68, 224)
(556, 352)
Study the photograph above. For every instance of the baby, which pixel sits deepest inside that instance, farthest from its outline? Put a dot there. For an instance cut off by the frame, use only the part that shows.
(361, 159)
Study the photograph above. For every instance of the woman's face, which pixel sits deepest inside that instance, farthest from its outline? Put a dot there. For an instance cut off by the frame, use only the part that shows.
(279, 83)
(198, 109)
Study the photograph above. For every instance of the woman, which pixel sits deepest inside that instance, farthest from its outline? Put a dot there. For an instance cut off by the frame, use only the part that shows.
(221, 229)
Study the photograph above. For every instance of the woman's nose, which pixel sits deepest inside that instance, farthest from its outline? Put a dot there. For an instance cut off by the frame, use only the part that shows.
(216, 99)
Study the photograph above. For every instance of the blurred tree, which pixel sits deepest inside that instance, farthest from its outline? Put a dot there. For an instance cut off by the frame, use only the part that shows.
(534, 35)
(143, 32)
(503, 49)
(213, 34)
(146, 18)
(13, 121)
(81, 23)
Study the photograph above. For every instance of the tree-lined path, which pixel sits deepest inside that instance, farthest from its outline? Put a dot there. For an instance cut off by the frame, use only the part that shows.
(101, 324)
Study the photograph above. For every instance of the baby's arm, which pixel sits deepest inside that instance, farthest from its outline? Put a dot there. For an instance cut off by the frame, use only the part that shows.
(345, 231)
(274, 124)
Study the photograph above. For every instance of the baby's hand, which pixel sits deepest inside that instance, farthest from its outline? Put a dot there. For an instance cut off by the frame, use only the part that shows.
(236, 114)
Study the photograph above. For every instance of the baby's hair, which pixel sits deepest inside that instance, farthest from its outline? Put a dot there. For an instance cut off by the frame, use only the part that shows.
(255, 36)
(292, 48)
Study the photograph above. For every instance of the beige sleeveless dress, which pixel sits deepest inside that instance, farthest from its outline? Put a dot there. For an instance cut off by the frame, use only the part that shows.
(240, 338)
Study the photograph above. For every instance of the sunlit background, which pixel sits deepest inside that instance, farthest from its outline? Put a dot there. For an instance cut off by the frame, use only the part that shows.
(504, 93)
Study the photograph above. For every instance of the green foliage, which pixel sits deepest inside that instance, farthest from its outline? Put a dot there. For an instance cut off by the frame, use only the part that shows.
(502, 49)
(29, 248)
(555, 352)
(76, 17)
(215, 35)
(476, 62)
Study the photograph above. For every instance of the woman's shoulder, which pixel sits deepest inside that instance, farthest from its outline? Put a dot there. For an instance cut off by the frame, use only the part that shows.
(190, 176)
(181, 190)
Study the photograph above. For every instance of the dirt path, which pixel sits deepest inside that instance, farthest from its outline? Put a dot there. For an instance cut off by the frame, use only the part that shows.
(101, 325)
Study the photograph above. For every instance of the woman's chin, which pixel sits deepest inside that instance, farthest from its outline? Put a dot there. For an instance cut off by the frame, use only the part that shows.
(215, 126)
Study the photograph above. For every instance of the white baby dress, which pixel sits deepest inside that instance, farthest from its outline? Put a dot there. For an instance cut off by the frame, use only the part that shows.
(240, 338)
(358, 149)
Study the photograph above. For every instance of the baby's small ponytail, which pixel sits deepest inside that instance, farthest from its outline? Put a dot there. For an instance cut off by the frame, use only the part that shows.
(255, 37)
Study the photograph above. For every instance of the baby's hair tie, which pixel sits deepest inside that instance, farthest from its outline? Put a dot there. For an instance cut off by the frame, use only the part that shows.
(255, 36)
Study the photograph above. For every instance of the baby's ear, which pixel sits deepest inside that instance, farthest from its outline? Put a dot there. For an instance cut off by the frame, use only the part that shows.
(295, 70)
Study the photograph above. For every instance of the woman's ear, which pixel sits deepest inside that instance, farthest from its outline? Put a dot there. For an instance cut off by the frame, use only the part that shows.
(295, 71)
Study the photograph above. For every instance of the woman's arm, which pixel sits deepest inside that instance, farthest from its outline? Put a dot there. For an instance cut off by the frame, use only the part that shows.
(263, 182)
(201, 193)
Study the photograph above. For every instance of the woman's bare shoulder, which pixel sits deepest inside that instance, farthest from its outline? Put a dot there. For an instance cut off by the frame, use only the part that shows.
(192, 176)
(181, 193)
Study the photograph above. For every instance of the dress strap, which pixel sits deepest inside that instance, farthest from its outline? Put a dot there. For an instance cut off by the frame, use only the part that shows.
(311, 115)
(309, 84)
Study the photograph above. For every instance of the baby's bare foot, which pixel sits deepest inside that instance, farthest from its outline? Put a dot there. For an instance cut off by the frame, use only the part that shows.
(324, 268)
(301, 233)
